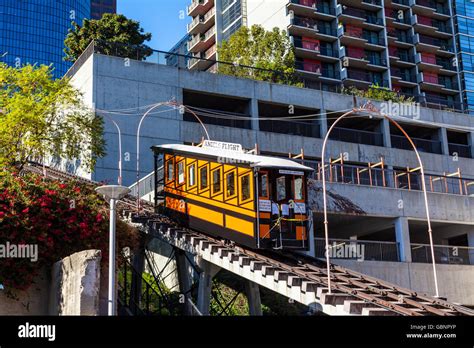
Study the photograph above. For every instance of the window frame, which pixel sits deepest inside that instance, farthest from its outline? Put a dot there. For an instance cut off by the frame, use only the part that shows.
(200, 188)
(260, 175)
(241, 191)
(179, 163)
(234, 173)
(193, 177)
(213, 192)
(170, 160)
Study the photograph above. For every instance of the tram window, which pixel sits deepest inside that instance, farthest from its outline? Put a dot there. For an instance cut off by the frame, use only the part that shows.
(230, 184)
(281, 188)
(216, 181)
(245, 187)
(192, 174)
(180, 172)
(263, 188)
(299, 188)
(169, 171)
(203, 176)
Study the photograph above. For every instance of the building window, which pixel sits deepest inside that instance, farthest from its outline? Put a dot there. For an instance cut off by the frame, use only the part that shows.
(203, 178)
(245, 187)
(230, 184)
(216, 181)
(192, 174)
(181, 173)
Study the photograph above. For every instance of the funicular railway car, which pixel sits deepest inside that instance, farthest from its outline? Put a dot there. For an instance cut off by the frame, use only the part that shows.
(218, 189)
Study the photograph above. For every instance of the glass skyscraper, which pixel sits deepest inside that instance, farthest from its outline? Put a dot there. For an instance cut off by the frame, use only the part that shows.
(99, 7)
(464, 22)
(33, 31)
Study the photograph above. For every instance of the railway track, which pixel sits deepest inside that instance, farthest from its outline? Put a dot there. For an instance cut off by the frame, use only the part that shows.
(296, 276)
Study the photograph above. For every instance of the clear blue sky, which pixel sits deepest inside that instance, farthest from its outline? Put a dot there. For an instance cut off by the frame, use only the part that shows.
(165, 19)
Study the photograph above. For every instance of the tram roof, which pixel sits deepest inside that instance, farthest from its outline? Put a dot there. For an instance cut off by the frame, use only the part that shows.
(239, 157)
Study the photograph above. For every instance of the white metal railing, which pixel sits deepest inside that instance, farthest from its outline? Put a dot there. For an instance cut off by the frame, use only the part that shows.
(446, 254)
(371, 250)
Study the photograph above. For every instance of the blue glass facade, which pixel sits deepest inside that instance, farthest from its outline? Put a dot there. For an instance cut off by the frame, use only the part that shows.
(464, 22)
(33, 31)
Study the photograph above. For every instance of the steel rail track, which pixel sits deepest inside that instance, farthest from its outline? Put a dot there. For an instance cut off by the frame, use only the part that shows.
(296, 267)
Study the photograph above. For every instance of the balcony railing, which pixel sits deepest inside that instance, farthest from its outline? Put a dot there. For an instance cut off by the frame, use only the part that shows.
(443, 44)
(405, 76)
(313, 24)
(319, 7)
(422, 145)
(446, 254)
(377, 60)
(307, 45)
(438, 7)
(367, 77)
(393, 178)
(448, 82)
(461, 150)
(291, 127)
(357, 136)
(373, 2)
(445, 63)
(401, 2)
(373, 39)
(369, 250)
(435, 102)
(308, 66)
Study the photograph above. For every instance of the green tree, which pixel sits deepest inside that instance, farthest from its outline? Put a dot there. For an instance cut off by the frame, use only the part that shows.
(114, 34)
(256, 47)
(45, 118)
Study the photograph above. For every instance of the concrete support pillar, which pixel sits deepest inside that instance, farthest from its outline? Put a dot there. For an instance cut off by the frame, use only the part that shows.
(470, 139)
(253, 296)
(443, 138)
(208, 271)
(402, 235)
(385, 130)
(470, 243)
(254, 114)
(323, 124)
(184, 279)
(389, 177)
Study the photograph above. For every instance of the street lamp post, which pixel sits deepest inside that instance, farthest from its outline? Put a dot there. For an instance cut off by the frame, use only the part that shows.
(112, 193)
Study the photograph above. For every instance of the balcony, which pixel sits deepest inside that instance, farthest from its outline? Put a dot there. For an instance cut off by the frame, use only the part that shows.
(430, 26)
(309, 69)
(374, 40)
(403, 77)
(401, 2)
(434, 45)
(393, 19)
(422, 145)
(430, 7)
(443, 254)
(448, 83)
(202, 61)
(314, 50)
(427, 62)
(312, 8)
(461, 150)
(303, 26)
(363, 78)
(399, 38)
(201, 24)
(447, 66)
(357, 136)
(203, 41)
(436, 102)
(200, 7)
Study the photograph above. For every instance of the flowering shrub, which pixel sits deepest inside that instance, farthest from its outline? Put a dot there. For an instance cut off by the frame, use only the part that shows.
(61, 218)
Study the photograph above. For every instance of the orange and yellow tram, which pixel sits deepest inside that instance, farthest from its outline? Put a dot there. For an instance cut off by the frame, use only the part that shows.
(218, 189)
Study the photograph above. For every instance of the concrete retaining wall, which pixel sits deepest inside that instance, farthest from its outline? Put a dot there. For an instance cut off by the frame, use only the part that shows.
(76, 284)
(456, 282)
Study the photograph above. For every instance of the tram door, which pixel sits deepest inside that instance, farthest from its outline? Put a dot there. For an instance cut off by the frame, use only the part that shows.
(286, 192)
